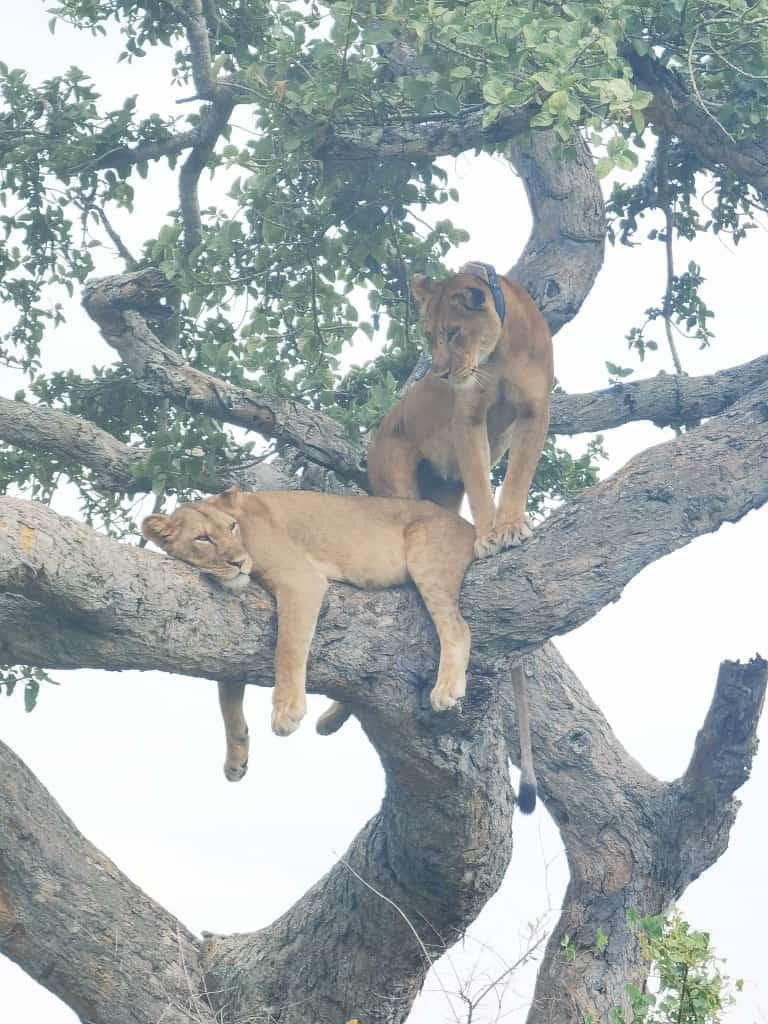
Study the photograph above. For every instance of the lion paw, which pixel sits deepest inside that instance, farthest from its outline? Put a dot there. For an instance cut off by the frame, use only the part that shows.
(286, 718)
(235, 772)
(236, 762)
(443, 698)
(503, 535)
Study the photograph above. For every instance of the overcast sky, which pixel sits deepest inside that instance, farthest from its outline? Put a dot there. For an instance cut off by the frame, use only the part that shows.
(135, 759)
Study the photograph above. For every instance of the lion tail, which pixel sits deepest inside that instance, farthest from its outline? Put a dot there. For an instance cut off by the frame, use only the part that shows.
(526, 798)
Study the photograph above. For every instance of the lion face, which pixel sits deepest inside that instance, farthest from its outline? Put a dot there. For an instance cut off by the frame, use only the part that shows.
(206, 535)
(460, 319)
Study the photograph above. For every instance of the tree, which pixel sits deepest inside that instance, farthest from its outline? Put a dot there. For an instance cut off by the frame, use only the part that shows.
(238, 313)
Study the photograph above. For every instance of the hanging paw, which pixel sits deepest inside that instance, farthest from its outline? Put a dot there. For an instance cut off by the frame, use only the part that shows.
(332, 718)
(236, 763)
(287, 716)
(447, 695)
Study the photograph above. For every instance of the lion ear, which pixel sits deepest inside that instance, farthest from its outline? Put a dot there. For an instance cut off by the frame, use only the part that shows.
(157, 528)
(422, 287)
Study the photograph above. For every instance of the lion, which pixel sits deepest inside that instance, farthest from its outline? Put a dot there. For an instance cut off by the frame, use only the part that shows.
(294, 543)
(486, 393)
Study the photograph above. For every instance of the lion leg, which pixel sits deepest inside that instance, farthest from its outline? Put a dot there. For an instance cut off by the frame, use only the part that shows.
(527, 438)
(235, 730)
(437, 553)
(298, 605)
(332, 719)
(392, 468)
(470, 442)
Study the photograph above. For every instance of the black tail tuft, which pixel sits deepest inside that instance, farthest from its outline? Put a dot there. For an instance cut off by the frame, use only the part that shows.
(526, 798)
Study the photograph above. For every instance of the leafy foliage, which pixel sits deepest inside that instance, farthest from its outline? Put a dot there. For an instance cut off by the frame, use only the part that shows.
(29, 677)
(686, 977)
(302, 255)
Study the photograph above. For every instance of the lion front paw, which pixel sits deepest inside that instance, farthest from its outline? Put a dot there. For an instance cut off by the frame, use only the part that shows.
(287, 717)
(446, 696)
(503, 535)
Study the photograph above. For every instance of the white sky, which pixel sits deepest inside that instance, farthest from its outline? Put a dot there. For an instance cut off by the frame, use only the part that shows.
(135, 759)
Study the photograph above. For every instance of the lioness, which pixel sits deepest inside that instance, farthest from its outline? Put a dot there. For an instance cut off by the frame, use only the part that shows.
(294, 543)
(486, 392)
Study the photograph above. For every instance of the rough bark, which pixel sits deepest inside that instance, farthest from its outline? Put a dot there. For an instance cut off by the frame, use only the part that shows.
(633, 842)
(69, 597)
(113, 465)
(72, 598)
(564, 253)
(78, 926)
(113, 303)
(665, 400)
(676, 110)
(360, 942)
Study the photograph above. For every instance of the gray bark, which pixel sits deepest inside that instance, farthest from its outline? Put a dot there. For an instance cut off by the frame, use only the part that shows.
(633, 842)
(78, 926)
(69, 597)
(666, 400)
(113, 465)
(121, 306)
(440, 844)
(564, 253)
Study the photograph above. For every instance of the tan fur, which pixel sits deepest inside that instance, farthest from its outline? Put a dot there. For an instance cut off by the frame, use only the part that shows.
(294, 543)
(486, 393)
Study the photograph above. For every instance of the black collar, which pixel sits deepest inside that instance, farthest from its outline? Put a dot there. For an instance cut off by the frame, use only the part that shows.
(486, 273)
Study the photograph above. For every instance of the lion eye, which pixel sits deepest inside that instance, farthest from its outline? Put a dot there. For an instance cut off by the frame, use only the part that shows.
(233, 526)
(204, 539)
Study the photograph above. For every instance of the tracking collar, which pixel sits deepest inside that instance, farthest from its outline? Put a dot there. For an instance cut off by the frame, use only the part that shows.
(486, 273)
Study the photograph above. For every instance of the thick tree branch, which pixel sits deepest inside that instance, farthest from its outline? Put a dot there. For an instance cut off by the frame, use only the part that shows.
(633, 842)
(112, 303)
(72, 598)
(677, 111)
(113, 465)
(78, 926)
(565, 250)
(360, 942)
(664, 400)
(69, 597)
(424, 138)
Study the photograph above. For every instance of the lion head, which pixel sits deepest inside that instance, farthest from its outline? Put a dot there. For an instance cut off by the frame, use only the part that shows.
(205, 534)
(460, 320)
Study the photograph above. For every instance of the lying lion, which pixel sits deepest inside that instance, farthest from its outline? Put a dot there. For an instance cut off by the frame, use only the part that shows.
(294, 543)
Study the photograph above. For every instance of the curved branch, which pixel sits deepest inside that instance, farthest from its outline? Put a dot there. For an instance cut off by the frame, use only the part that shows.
(565, 251)
(78, 926)
(69, 597)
